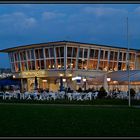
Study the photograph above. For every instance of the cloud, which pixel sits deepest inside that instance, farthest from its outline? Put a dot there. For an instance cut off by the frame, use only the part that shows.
(17, 21)
(137, 10)
(104, 11)
(52, 15)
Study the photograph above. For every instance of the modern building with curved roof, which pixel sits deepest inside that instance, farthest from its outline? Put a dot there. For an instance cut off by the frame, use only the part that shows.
(58, 64)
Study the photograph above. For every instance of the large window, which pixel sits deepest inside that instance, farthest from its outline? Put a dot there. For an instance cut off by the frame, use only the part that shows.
(59, 57)
(93, 59)
(82, 59)
(31, 61)
(50, 58)
(39, 59)
(71, 57)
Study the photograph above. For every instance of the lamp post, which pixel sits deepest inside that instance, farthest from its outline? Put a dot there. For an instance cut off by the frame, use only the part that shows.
(64, 81)
(128, 68)
(108, 80)
(61, 82)
(84, 80)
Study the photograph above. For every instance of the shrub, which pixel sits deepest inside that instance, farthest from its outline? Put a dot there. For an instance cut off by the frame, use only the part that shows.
(132, 92)
(102, 93)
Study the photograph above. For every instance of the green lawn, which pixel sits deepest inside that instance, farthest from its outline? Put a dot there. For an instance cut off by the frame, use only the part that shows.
(68, 120)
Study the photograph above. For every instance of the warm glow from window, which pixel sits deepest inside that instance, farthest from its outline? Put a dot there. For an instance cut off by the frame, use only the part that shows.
(61, 74)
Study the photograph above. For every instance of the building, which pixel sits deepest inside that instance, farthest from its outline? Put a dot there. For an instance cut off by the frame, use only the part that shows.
(59, 64)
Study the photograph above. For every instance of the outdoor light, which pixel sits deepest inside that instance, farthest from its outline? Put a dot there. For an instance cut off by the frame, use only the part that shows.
(14, 76)
(76, 78)
(108, 79)
(84, 79)
(44, 80)
(115, 82)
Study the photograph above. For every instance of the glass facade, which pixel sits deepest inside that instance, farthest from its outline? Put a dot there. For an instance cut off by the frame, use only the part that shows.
(71, 58)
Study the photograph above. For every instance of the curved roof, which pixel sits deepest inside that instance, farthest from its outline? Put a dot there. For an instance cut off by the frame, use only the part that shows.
(120, 76)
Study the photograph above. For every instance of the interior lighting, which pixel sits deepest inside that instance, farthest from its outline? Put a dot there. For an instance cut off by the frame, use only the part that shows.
(70, 74)
(61, 74)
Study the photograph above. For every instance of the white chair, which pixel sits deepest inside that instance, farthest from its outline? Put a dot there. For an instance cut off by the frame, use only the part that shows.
(69, 96)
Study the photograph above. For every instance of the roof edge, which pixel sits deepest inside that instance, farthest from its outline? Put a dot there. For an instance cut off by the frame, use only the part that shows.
(64, 41)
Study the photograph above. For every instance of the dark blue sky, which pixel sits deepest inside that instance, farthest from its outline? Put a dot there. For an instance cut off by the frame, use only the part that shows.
(22, 24)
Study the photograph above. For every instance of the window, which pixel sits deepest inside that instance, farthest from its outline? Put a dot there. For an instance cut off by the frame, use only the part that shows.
(85, 53)
(74, 52)
(80, 52)
(61, 51)
(116, 56)
(111, 55)
(106, 55)
(91, 53)
(96, 54)
(32, 54)
(51, 52)
(69, 51)
(46, 53)
(124, 57)
(120, 56)
(101, 54)
(41, 53)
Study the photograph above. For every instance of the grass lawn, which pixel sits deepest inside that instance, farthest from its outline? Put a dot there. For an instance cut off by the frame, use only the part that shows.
(68, 120)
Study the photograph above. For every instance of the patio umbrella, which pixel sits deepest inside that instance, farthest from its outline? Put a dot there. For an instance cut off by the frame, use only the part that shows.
(36, 83)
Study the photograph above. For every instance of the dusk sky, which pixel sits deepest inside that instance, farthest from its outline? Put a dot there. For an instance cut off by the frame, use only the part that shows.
(105, 24)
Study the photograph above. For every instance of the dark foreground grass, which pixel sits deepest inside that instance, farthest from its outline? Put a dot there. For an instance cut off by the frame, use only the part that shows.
(86, 102)
(68, 120)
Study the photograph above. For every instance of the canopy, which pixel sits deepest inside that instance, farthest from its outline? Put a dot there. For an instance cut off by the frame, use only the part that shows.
(122, 76)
